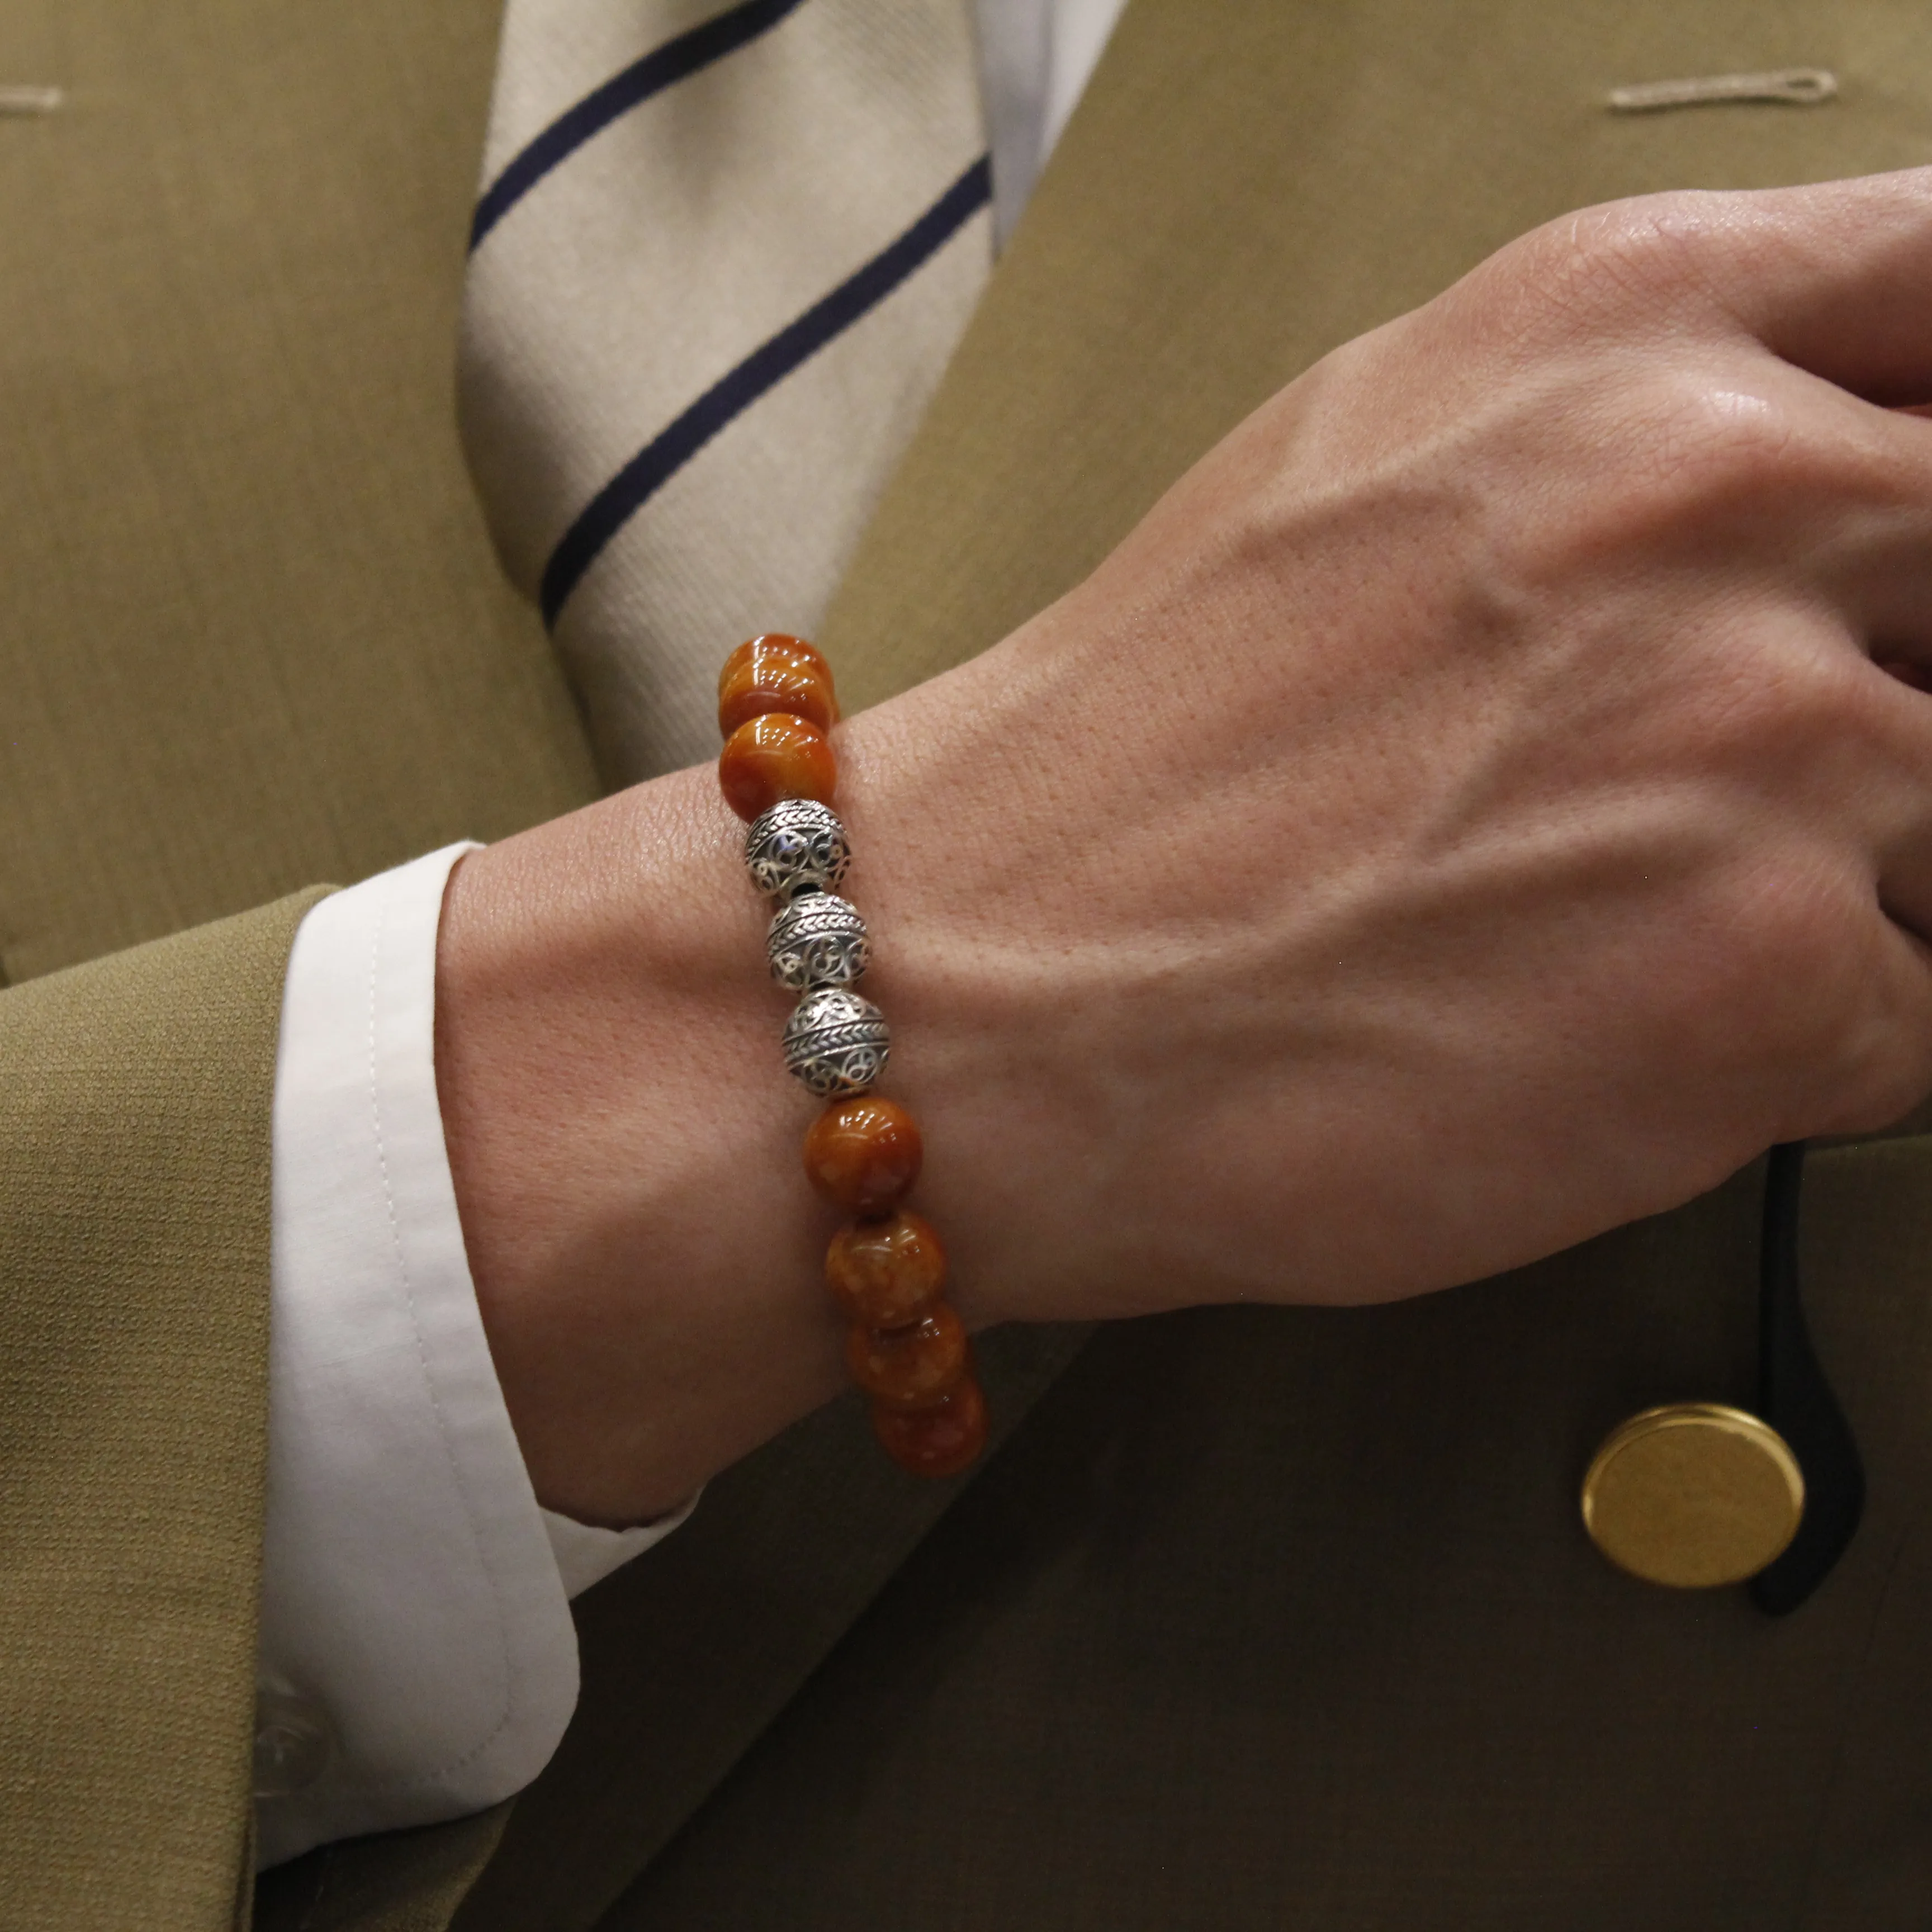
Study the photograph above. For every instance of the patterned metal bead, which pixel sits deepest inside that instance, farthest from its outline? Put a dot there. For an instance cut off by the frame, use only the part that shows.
(819, 940)
(835, 1041)
(798, 844)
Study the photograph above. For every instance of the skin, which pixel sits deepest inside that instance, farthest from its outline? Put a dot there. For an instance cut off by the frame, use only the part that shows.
(1482, 803)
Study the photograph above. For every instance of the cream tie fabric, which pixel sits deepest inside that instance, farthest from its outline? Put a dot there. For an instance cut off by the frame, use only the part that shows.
(720, 259)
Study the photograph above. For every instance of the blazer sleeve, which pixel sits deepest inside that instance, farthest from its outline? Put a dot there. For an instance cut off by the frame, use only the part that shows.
(135, 1120)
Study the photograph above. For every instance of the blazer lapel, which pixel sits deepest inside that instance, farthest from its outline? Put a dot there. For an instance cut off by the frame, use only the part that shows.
(1245, 185)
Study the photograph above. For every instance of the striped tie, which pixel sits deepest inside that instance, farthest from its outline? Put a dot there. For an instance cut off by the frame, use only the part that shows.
(720, 262)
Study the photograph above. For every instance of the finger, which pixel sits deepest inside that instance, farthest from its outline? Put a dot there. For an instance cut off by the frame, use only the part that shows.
(1883, 1068)
(1835, 277)
(1883, 756)
(1835, 491)
(1872, 551)
(1849, 949)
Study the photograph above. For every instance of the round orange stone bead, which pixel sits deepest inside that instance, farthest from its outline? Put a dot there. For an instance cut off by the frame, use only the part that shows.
(887, 1273)
(938, 1441)
(777, 640)
(862, 1154)
(773, 756)
(775, 673)
(911, 1367)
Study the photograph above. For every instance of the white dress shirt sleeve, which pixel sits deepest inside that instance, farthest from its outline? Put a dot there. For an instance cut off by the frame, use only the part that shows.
(417, 1658)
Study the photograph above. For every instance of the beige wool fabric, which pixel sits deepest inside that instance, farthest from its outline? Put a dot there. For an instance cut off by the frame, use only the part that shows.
(251, 636)
(648, 264)
(251, 633)
(133, 1327)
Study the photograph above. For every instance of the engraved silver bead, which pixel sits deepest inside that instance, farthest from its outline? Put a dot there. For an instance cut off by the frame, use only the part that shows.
(818, 941)
(835, 1041)
(796, 845)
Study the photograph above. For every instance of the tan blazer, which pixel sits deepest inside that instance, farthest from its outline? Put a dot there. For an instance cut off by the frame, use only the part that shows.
(1258, 1617)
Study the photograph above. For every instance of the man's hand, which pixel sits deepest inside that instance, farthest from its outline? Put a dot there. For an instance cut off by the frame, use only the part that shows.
(1466, 814)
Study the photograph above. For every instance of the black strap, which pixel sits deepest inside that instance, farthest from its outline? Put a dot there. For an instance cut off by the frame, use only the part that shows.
(1795, 1398)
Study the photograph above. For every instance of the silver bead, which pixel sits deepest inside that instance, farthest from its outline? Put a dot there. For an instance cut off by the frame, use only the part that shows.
(818, 941)
(796, 844)
(835, 1041)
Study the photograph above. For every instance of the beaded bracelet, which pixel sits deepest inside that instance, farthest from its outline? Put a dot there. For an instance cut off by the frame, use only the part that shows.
(906, 1347)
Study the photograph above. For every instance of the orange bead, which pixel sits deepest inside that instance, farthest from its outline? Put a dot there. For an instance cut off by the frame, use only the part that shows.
(938, 1441)
(775, 640)
(774, 757)
(863, 1154)
(912, 1367)
(887, 1273)
(775, 673)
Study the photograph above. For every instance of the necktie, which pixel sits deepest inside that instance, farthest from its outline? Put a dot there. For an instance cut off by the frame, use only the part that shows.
(719, 261)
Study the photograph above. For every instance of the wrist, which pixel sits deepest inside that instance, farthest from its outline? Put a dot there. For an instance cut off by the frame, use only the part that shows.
(625, 1147)
(644, 1243)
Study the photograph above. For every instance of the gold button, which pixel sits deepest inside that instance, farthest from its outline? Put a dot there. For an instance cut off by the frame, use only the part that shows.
(1693, 1494)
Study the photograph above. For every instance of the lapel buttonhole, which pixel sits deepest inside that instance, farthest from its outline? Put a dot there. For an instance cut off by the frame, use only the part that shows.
(17, 100)
(1789, 86)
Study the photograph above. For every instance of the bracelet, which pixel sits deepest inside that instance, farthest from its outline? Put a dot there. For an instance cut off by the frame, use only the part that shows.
(906, 1347)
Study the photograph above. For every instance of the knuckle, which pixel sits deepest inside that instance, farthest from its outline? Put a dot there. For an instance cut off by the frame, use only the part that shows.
(1853, 1058)
(1773, 708)
(1885, 1077)
(1711, 448)
(1705, 462)
(1787, 931)
(1882, 1068)
(1603, 261)
(1768, 990)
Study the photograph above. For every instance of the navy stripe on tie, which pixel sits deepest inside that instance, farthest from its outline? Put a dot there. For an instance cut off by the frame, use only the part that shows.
(660, 459)
(662, 67)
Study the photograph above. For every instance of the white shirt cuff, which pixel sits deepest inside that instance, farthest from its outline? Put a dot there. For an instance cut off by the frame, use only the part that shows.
(414, 1613)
